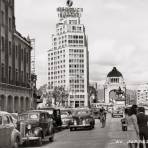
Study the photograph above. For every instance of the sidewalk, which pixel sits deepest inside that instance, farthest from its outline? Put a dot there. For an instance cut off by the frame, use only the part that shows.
(117, 137)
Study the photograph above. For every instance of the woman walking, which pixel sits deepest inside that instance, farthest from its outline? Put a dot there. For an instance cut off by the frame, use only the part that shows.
(133, 130)
(103, 117)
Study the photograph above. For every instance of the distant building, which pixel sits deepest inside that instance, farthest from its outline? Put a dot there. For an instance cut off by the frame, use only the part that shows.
(142, 94)
(15, 63)
(94, 84)
(131, 97)
(114, 84)
(100, 95)
(68, 64)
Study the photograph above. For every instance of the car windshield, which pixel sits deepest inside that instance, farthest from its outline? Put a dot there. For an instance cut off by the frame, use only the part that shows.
(0, 120)
(64, 114)
(50, 111)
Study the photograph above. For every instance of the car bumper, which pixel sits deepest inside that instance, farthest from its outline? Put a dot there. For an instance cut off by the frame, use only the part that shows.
(80, 126)
(30, 138)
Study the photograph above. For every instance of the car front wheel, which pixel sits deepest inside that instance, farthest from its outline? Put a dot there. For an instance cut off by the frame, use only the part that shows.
(39, 142)
(51, 139)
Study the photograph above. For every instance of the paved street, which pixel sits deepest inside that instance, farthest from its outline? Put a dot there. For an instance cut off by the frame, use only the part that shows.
(107, 137)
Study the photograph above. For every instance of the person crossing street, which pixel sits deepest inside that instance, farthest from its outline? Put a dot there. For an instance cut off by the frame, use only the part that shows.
(103, 117)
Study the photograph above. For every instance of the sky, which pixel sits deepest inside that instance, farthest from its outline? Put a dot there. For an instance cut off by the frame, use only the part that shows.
(117, 33)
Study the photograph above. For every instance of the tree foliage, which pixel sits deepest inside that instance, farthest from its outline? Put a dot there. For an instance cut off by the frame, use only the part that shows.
(60, 95)
(92, 91)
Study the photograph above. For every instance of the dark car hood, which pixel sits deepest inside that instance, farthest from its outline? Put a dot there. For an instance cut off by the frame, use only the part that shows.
(33, 123)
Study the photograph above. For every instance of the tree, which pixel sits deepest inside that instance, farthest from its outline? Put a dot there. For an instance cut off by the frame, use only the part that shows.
(92, 92)
(60, 95)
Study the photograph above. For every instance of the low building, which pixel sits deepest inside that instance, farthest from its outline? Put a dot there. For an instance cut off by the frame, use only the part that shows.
(15, 63)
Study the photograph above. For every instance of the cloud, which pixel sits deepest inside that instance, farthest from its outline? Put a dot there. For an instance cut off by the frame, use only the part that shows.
(117, 34)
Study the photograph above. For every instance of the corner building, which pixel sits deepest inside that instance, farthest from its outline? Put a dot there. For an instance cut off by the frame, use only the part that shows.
(15, 50)
(68, 57)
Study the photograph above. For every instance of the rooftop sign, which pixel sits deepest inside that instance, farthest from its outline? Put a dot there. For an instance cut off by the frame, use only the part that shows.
(65, 12)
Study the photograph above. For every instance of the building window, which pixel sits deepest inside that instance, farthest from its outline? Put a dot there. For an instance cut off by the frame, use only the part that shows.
(3, 73)
(2, 43)
(16, 75)
(2, 18)
(9, 74)
(22, 76)
(22, 54)
(76, 104)
(10, 48)
(81, 103)
(73, 28)
(10, 24)
(16, 51)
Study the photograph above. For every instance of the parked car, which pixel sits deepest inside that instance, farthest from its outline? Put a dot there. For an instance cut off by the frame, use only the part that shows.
(35, 125)
(117, 113)
(56, 115)
(66, 117)
(10, 137)
(82, 118)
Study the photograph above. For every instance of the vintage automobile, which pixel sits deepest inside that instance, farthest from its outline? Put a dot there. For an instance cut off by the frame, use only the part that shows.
(55, 114)
(10, 137)
(66, 116)
(35, 125)
(117, 113)
(82, 118)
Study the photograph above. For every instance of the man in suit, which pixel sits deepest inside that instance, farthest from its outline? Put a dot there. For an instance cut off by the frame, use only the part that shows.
(142, 120)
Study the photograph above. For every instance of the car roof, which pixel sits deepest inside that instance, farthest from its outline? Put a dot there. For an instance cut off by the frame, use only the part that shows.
(34, 111)
(46, 108)
(4, 113)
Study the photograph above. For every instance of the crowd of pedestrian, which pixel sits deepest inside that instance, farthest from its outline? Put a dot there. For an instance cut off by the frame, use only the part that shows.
(137, 128)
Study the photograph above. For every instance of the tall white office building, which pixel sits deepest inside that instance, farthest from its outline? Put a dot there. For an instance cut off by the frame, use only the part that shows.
(68, 64)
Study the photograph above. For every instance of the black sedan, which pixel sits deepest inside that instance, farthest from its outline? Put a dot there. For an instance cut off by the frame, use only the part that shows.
(82, 119)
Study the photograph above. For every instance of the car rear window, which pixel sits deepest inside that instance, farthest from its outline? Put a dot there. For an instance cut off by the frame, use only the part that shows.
(33, 116)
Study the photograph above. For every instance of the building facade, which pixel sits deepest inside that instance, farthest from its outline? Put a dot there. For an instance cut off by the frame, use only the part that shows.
(15, 50)
(114, 82)
(68, 58)
(142, 94)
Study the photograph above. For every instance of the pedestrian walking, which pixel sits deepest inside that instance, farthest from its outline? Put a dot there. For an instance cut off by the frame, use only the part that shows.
(124, 121)
(132, 126)
(142, 120)
(103, 117)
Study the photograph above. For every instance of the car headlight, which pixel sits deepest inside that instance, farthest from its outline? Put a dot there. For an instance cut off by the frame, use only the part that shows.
(87, 121)
(29, 126)
(84, 122)
(74, 122)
